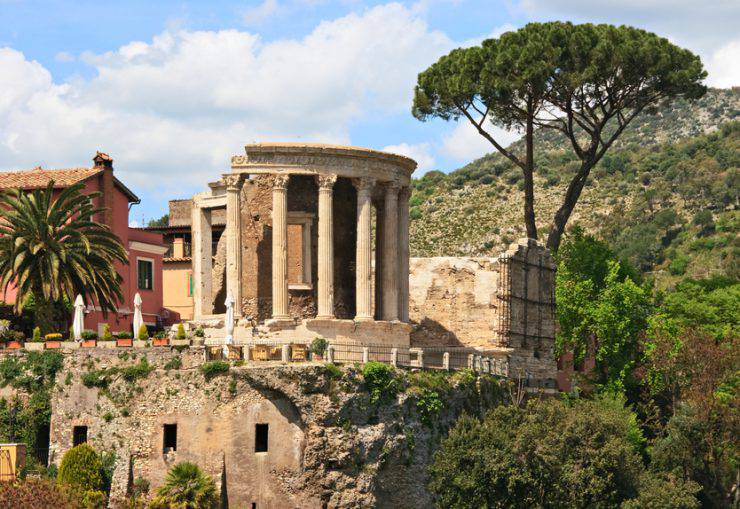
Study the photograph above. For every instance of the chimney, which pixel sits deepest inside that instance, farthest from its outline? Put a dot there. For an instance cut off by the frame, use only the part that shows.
(105, 162)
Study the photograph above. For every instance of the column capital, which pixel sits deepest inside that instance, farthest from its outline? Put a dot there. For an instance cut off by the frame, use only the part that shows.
(326, 181)
(280, 181)
(364, 183)
(233, 182)
(392, 186)
(405, 192)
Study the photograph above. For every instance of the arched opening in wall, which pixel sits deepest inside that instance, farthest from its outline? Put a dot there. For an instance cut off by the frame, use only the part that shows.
(79, 435)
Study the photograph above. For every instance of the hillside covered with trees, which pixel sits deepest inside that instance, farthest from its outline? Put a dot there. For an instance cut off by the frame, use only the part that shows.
(664, 195)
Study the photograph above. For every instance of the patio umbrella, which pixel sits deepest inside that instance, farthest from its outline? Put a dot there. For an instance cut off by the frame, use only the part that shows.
(78, 322)
(229, 323)
(138, 319)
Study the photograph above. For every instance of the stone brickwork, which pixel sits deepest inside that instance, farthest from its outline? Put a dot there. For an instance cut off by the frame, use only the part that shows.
(324, 447)
(180, 213)
(501, 306)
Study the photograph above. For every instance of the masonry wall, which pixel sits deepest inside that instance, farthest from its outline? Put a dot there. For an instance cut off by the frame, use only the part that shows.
(256, 253)
(502, 306)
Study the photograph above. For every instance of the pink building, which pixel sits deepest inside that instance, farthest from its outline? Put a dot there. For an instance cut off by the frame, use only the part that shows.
(143, 273)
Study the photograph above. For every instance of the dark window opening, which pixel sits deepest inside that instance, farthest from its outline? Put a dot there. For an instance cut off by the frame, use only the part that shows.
(170, 438)
(260, 437)
(146, 274)
(79, 435)
(254, 505)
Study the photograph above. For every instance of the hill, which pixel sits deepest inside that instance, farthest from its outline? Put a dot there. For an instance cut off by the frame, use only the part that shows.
(665, 196)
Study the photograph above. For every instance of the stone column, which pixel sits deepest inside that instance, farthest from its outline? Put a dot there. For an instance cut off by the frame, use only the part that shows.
(326, 247)
(233, 240)
(390, 253)
(364, 255)
(403, 252)
(202, 261)
(379, 212)
(280, 247)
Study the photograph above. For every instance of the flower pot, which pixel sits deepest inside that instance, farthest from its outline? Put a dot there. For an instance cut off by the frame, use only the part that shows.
(124, 342)
(53, 344)
(89, 343)
(160, 341)
(180, 342)
(14, 345)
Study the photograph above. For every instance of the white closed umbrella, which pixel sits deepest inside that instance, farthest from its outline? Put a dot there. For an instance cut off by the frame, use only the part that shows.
(78, 322)
(138, 319)
(229, 323)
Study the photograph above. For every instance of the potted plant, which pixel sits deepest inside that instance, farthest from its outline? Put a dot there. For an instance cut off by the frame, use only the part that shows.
(142, 337)
(106, 339)
(160, 339)
(318, 347)
(124, 339)
(181, 338)
(89, 339)
(53, 340)
(200, 335)
(16, 340)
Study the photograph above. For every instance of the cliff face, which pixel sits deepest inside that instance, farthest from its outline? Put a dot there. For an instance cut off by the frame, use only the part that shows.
(331, 441)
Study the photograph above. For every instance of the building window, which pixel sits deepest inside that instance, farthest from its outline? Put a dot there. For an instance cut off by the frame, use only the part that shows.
(261, 432)
(145, 269)
(299, 250)
(79, 435)
(169, 442)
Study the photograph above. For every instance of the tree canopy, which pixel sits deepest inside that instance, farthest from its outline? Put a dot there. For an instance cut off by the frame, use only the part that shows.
(52, 249)
(587, 82)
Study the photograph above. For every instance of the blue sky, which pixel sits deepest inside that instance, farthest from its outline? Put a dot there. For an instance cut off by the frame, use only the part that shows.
(172, 89)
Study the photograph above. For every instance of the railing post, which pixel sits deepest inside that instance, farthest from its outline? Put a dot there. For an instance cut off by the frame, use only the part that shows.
(471, 361)
(330, 354)
(420, 357)
(247, 352)
(286, 353)
(446, 361)
(365, 355)
(479, 363)
(394, 357)
(487, 365)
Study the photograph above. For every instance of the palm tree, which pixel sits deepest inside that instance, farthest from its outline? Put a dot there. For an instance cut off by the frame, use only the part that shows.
(52, 249)
(186, 487)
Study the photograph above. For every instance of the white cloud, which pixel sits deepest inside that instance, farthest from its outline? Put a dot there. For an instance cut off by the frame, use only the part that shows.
(724, 65)
(259, 13)
(464, 143)
(64, 56)
(173, 110)
(420, 152)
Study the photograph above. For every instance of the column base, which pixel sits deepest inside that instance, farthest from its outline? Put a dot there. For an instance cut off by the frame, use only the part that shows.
(364, 318)
(325, 317)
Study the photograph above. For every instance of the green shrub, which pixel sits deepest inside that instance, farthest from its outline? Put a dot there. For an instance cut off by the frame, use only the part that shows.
(186, 486)
(36, 338)
(214, 368)
(140, 370)
(107, 336)
(81, 468)
(319, 345)
(333, 371)
(124, 334)
(199, 333)
(380, 381)
(143, 333)
(173, 363)
(181, 332)
(88, 335)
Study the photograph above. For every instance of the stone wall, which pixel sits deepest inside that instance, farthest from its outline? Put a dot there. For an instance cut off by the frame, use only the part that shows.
(256, 226)
(180, 213)
(328, 445)
(501, 306)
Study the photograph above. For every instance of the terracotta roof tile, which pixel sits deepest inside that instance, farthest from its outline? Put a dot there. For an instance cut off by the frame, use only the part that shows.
(39, 178)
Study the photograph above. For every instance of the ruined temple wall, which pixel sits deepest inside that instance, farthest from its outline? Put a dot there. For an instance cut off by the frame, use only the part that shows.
(502, 306)
(256, 250)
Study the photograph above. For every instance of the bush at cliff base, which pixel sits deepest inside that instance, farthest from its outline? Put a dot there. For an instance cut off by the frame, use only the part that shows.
(81, 469)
